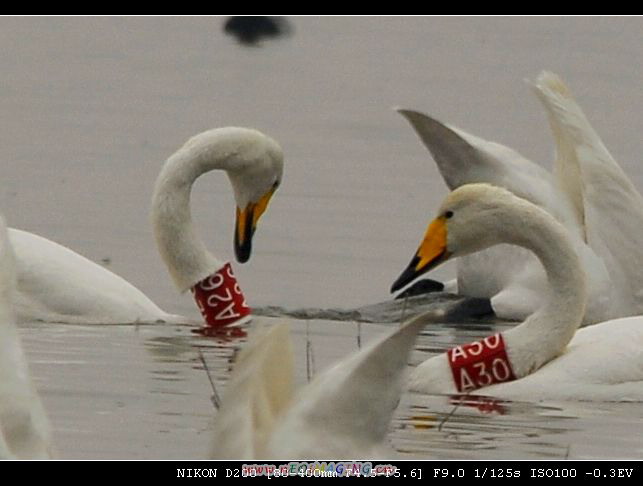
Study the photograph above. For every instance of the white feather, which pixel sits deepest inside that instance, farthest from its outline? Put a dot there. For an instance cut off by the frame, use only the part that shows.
(548, 357)
(56, 284)
(344, 412)
(588, 193)
(24, 428)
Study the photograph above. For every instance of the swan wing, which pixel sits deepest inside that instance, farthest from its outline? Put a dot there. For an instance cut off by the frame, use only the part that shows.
(463, 158)
(609, 205)
(24, 428)
(346, 410)
(257, 394)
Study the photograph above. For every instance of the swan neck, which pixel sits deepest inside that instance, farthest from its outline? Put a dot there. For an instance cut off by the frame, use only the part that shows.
(183, 251)
(545, 334)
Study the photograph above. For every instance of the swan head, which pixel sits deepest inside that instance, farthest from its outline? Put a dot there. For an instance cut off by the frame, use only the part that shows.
(471, 218)
(254, 164)
(255, 171)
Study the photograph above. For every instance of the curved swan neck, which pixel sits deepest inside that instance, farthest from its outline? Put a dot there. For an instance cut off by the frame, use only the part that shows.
(544, 334)
(182, 250)
(253, 163)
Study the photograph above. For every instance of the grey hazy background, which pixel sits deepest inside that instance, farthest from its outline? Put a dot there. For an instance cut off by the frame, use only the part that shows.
(93, 106)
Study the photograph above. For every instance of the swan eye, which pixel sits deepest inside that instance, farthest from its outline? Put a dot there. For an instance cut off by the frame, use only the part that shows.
(275, 185)
(448, 214)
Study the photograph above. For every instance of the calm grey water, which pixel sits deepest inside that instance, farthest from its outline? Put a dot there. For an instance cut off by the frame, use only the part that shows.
(93, 106)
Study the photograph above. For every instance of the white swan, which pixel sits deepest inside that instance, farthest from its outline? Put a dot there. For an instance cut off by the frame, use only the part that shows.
(343, 413)
(56, 284)
(606, 200)
(24, 428)
(588, 193)
(602, 362)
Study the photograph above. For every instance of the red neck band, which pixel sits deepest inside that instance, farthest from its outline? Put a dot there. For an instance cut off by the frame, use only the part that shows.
(479, 364)
(220, 299)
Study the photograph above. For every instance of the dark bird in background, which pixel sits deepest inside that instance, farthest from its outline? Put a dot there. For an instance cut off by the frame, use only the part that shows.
(252, 30)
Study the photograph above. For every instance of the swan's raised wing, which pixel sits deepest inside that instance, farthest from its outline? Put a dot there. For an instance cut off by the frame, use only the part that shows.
(346, 410)
(258, 392)
(463, 158)
(610, 205)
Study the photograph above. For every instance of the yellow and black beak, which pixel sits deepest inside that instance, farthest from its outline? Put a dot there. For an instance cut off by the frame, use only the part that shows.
(432, 252)
(247, 220)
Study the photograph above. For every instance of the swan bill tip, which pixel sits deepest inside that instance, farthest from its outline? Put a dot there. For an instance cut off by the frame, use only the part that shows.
(243, 251)
(244, 231)
(421, 287)
(407, 276)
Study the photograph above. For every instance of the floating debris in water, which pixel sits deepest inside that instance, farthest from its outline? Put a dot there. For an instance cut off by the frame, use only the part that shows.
(446, 307)
(216, 400)
(310, 357)
(251, 30)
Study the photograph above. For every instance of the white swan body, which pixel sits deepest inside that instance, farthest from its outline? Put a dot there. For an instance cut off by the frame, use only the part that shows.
(603, 362)
(24, 428)
(343, 413)
(585, 177)
(56, 284)
(477, 216)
